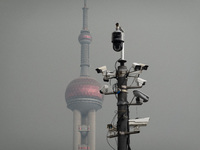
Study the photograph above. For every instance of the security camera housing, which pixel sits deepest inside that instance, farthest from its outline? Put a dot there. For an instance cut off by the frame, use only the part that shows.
(118, 40)
(101, 69)
(139, 121)
(140, 81)
(141, 95)
(136, 66)
(104, 89)
(139, 66)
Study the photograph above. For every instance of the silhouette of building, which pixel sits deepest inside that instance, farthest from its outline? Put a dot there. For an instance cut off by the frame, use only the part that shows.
(82, 95)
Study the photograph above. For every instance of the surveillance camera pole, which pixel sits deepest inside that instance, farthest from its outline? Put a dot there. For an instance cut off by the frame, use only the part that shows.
(122, 131)
(122, 104)
(123, 112)
(122, 53)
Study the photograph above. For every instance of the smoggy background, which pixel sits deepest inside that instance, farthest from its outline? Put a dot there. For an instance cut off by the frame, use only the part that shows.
(40, 55)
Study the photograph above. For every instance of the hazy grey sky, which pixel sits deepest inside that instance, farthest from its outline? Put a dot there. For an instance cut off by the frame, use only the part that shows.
(39, 47)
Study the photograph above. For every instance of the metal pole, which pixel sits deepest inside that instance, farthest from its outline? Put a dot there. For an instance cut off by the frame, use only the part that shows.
(122, 124)
(122, 132)
(122, 53)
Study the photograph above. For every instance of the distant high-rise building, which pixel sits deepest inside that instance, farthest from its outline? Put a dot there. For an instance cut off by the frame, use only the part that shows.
(82, 95)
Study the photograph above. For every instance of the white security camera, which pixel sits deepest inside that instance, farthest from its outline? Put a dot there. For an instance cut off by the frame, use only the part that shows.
(140, 81)
(101, 69)
(141, 95)
(104, 89)
(139, 66)
(108, 75)
(139, 121)
(136, 66)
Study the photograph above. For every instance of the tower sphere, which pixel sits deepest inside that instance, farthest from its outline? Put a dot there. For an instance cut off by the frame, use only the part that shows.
(85, 37)
(83, 94)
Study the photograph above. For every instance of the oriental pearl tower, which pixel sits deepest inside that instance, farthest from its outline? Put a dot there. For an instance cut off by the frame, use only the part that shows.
(82, 95)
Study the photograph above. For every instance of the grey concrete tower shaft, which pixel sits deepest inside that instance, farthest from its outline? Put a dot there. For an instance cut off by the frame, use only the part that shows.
(85, 39)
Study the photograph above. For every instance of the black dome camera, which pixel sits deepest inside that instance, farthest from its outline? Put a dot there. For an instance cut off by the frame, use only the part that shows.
(118, 40)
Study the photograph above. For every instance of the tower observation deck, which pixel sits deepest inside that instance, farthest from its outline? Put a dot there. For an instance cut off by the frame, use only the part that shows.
(82, 95)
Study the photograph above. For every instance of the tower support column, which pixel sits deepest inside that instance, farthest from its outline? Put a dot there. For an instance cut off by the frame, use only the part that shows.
(92, 124)
(76, 132)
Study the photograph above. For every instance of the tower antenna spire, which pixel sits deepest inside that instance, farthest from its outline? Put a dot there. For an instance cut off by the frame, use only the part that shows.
(85, 16)
(85, 3)
(85, 39)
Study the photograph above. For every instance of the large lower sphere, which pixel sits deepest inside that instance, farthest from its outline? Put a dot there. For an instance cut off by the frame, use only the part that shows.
(83, 94)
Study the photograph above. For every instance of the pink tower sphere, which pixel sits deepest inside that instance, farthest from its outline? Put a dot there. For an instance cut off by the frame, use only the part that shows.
(83, 94)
